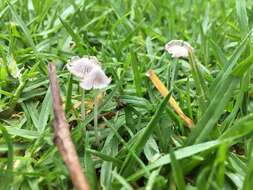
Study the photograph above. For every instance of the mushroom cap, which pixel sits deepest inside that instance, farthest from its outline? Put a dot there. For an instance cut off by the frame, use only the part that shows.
(80, 67)
(178, 48)
(95, 79)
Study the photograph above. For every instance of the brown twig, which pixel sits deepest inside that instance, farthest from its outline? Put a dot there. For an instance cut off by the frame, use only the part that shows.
(63, 137)
(164, 91)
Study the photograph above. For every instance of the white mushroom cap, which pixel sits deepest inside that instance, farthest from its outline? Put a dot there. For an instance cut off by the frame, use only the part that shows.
(178, 48)
(96, 79)
(80, 67)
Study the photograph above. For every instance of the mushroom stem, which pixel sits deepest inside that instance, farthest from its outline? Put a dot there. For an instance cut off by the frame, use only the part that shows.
(173, 73)
(96, 116)
(83, 104)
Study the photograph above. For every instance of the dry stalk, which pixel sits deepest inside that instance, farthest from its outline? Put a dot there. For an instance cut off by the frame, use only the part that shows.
(164, 91)
(63, 137)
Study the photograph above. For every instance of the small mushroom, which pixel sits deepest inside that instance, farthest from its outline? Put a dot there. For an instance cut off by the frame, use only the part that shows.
(91, 76)
(80, 67)
(96, 79)
(178, 48)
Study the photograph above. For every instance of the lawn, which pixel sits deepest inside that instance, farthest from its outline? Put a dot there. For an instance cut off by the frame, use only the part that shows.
(195, 132)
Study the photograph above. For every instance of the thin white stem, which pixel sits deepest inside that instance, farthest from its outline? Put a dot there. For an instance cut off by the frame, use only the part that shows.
(173, 73)
(96, 117)
(83, 105)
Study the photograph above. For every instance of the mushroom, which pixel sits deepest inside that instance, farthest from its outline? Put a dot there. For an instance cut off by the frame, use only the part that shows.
(178, 48)
(91, 76)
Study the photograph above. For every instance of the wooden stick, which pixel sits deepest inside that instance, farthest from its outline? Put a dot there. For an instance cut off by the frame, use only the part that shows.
(63, 137)
(164, 91)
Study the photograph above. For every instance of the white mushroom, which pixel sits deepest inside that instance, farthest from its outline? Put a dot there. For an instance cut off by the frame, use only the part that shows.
(178, 48)
(80, 67)
(96, 79)
(91, 76)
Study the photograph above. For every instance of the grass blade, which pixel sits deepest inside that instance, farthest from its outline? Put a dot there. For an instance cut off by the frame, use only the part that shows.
(177, 171)
(76, 38)
(136, 72)
(46, 109)
(90, 170)
(144, 136)
(242, 16)
(7, 174)
(179, 154)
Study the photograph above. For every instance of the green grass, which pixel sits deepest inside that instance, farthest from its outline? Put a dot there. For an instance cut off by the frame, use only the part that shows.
(143, 144)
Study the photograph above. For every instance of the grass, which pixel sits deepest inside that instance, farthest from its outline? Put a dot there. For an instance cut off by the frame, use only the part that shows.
(143, 142)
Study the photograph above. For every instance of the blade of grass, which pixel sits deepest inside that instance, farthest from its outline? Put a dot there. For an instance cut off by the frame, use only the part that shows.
(22, 132)
(142, 139)
(7, 177)
(152, 179)
(122, 180)
(230, 64)
(213, 111)
(219, 166)
(240, 128)
(104, 157)
(131, 152)
(136, 72)
(218, 103)
(200, 83)
(23, 26)
(69, 93)
(243, 66)
(242, 16)
(179, 154)
(76, 38)
(28, 36)
(89, 167)
(46, 109)
(196, 148)
(248, 182)
(177, 171)
(220, 56)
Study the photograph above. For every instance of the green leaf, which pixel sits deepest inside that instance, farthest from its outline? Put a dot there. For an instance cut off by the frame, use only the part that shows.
(248, 182)
(46, 109)
(242, 16)
(22, 132)
(33, 113)
(76, 38)
(213, 111)
(122, 181)
(136, 71)
(219, 165)
(69, 93)
(103, 156)
(6, 179)
(23, 26)
(240, 128)
(152, 179)
(229, 65)
(90, 170)
(243, 66)
(177, 171)
(179, 154)
(144, 136)
(136, 101)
